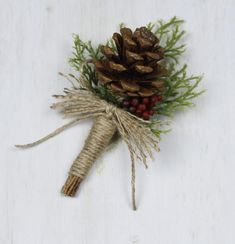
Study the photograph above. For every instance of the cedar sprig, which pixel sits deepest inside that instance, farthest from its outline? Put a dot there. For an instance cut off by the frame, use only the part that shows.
(181, 89)
(81, 60)
(159, 127)
(83, 53)
(170, 34)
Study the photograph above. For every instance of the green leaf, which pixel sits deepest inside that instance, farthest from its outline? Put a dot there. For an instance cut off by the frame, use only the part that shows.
(170, 35)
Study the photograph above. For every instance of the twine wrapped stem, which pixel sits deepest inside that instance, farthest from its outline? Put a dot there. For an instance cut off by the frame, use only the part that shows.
(99, 137)
(107, 120)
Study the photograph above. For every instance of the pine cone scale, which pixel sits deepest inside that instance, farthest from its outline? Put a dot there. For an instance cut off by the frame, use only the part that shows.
(129, 86)
(135, 69)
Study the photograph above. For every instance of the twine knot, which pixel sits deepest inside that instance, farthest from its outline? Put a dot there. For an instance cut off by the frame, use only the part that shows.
(110, 110)
(108, 119)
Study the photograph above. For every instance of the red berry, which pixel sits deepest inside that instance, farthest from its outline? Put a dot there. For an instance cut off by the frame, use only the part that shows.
(154, 99)
(126, 103)
(134, 102)
(145, 100)
(142, 107)
(132, 109)
(145, 115)
(151, 112)
(159, 98)
(138, 113)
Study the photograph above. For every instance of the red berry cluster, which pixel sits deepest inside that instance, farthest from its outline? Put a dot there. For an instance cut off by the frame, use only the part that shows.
(141, 107)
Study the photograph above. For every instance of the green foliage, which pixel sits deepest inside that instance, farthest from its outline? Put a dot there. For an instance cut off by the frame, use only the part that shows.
(181, 88)
(103, 92)
(83, 55)
(157, 127)
(111, 44)
(170, 35)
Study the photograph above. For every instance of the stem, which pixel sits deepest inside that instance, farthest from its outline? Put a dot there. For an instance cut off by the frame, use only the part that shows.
(99, 137)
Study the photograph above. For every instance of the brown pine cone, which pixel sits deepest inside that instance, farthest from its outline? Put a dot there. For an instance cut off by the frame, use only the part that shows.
(134, 69)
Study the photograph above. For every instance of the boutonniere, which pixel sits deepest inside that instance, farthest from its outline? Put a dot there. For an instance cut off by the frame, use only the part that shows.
(128, 86)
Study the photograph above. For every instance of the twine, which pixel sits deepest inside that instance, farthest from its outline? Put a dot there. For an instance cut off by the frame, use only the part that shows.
(83, 104)
(99, 137)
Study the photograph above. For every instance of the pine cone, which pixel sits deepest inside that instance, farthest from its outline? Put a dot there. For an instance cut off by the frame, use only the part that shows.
(134, 69)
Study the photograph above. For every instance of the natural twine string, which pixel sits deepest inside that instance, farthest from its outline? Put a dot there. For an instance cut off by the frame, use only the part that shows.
(99, 137)
(84, 104)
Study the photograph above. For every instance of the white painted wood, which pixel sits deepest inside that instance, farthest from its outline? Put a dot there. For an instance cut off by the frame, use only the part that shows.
(187, 195)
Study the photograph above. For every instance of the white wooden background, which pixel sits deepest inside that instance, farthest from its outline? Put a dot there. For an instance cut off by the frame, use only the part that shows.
(187, 195)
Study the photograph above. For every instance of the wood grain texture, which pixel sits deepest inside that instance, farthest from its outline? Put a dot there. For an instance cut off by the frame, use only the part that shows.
(187, 196)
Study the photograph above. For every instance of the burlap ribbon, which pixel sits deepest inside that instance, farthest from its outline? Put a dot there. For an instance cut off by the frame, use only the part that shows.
(83, 104)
